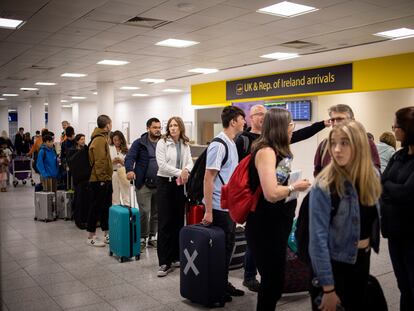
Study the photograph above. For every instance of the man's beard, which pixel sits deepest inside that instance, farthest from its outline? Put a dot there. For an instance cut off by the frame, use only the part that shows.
(153, 137)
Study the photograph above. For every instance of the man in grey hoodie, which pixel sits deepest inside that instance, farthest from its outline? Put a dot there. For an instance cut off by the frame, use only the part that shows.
(141, 165)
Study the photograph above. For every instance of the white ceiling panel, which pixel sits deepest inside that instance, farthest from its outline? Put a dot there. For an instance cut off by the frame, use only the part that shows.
(27, 37)
(224, 12)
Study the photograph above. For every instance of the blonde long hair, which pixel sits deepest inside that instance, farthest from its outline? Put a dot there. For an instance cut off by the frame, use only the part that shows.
(360, 171)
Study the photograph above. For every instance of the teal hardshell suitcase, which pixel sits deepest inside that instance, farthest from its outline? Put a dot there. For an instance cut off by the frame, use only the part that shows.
(124, 232)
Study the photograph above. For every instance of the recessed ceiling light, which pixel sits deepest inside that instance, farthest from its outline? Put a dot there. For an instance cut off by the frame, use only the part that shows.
(64, 101)
(129, 88)
(140, 95)
(45, 83)
(12, 110)
(73, 75)
(287, 9)
(95, 93)
(46, 104)
(172, 90)
(10, 23)
(78, 97)
(203, 70)
(29, 89)
(67, 106)
(10, 95)
(1, 98)
(400, 33)
(112, 62)
(152, 80)
(280, 56)
(176, 43)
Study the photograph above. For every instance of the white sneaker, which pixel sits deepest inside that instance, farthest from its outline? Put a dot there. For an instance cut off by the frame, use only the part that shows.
(95, 242)
(175, 264)
(164, 270)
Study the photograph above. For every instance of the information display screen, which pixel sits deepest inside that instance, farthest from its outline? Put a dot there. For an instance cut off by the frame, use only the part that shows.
(301, 110)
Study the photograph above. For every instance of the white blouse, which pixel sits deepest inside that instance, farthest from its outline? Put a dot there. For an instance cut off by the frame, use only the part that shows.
(116, 154)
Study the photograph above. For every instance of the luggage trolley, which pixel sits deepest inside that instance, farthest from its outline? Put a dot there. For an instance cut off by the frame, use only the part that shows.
(21, 168)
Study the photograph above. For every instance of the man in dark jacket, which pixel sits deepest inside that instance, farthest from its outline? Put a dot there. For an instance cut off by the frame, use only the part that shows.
(243, 143)
(142, 154)
(18, 141)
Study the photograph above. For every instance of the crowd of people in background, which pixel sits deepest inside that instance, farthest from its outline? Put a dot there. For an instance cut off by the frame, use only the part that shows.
(360, 190)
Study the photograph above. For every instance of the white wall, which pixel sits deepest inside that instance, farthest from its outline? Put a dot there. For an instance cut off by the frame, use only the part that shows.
(139, 110)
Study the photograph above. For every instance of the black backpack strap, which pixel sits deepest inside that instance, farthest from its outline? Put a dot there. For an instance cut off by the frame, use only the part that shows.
(246, 143)
(218, 139)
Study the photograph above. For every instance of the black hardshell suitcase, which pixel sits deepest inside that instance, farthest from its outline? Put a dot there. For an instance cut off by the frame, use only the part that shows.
(202, 265)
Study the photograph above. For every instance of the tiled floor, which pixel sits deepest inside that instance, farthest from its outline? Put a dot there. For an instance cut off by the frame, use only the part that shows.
(48, 266)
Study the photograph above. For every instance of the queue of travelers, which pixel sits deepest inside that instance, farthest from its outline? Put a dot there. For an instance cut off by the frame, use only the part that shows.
(360, 190)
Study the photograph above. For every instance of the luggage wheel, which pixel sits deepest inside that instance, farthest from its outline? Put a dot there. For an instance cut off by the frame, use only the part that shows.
(46, 220)
(35, 218)
(15, 183)
(33, 184)
(24, 182)
(111, 253)
(137, 257)
(121, 259)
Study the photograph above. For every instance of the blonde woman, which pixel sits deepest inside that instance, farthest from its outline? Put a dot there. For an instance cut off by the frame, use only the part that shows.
(120, 185)
(342, 234)
(174, 166)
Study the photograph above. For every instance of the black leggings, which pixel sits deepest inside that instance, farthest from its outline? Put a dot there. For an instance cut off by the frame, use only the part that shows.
(267, 232)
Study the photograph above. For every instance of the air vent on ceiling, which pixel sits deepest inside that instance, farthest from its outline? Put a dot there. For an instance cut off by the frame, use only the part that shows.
(298, 44)
(15, 78)
(39, 67)
(146, 22)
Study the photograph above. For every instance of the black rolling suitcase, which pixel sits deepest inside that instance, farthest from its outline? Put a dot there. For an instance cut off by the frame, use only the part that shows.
(202, 265)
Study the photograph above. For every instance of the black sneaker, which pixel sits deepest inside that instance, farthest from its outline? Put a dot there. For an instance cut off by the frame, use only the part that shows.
(252, 284)
(227, 298)
(232, 291)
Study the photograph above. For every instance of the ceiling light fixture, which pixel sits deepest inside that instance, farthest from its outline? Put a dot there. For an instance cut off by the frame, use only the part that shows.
(129, 88)
(95, 93)
(112, 62)
(203, 70)
(176, 43)
(396, 34)
(64, 101)
(155, 81)
(46, 104)
(73, 75)
(1, 98)
(29, 89)
(280, 56)
(45, 83)
(140, 95)
(12, 110)
(66, 106)
(172, 90)
(10, 95)
(78, 97)
(287, 9)
(9, 23)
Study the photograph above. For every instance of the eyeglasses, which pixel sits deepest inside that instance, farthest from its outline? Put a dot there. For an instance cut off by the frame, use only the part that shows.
(339, 119)
(292, 124)
(393, 127)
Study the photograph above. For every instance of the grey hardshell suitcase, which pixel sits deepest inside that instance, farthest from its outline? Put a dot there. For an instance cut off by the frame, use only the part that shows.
(64, 201)
(45, 206)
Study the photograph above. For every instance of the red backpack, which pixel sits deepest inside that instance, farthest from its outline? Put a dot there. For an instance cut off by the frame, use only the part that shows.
(236, 195)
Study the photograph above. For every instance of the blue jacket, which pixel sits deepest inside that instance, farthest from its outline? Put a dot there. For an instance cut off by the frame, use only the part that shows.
(47, 163)
(335, 237)
(137, 160)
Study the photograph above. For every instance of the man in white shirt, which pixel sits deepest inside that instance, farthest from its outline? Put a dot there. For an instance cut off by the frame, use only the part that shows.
(217, 174)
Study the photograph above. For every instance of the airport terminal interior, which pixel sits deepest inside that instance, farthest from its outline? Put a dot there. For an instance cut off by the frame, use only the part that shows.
(137, 59)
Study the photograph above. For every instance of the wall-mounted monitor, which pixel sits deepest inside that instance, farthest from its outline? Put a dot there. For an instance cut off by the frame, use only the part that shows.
(301, 110)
